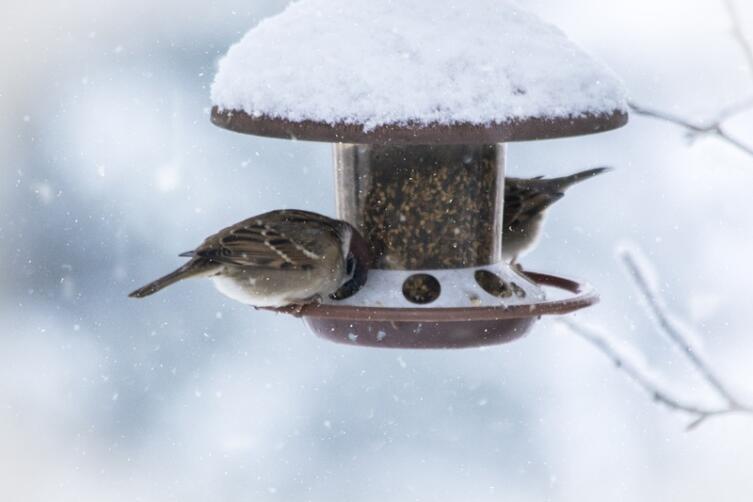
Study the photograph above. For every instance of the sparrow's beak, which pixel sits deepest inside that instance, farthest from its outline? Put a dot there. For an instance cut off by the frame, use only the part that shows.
(361, 257)
(188, 254)
(360, 273)
(351, 287)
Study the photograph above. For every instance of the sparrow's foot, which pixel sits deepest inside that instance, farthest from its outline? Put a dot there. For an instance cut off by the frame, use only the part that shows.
(518, 269)
(294, 309)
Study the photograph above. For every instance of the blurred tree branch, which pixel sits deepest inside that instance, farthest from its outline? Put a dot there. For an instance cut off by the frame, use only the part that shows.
(668, 326)
(694, 131)
(737, 32)
(638, 370)
(715, 126)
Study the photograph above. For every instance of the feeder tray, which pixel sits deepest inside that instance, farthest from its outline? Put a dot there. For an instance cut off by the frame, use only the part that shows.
(428, 198)
(420, 328)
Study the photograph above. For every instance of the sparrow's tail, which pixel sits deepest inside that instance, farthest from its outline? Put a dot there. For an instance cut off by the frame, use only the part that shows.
(565, 182)
(190, 269)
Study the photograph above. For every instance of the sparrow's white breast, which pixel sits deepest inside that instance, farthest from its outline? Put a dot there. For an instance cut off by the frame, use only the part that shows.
(280, 289)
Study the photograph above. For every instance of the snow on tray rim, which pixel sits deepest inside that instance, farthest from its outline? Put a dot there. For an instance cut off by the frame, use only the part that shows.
(382, 62)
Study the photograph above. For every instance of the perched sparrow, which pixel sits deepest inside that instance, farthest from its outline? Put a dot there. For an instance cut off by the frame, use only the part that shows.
(278, 259)
(526, 200)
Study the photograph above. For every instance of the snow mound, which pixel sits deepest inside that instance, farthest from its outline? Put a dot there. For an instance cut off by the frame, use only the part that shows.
(383, 62)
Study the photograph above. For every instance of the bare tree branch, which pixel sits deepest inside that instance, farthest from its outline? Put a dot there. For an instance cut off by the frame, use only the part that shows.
(601, 341)
(635, 367)
(667, 326)
(737, 32)
(730, 111)
(712, 129)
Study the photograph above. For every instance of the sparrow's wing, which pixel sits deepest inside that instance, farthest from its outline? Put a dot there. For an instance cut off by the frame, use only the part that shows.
(526, 198)
(264, 243)
(513, 204)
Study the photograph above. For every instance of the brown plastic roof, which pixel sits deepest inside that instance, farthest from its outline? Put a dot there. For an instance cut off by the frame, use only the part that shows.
(515, 130)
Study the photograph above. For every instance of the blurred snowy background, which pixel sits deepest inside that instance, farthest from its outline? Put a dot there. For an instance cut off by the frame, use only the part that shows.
(109, 167)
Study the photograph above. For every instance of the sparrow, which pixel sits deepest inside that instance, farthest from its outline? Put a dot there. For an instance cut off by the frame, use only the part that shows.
(526, 200)
(283, 258)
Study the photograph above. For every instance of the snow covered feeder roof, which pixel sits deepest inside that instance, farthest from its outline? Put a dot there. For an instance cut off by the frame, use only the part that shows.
(412, 71)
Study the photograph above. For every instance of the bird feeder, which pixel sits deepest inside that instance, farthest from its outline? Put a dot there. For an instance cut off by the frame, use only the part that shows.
(420, 98)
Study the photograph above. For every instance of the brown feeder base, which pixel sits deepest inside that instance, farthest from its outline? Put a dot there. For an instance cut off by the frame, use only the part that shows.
(440, 328)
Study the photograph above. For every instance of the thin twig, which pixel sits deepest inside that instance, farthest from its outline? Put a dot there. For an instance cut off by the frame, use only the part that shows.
(668, 117)
(712, 129)
(734, 109)
(667, 326)
(601, 341)
(737, 32)
(634, 366)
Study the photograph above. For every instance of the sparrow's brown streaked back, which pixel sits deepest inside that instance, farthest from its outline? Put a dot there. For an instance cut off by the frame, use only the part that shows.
(277, 259)
(526, 200)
